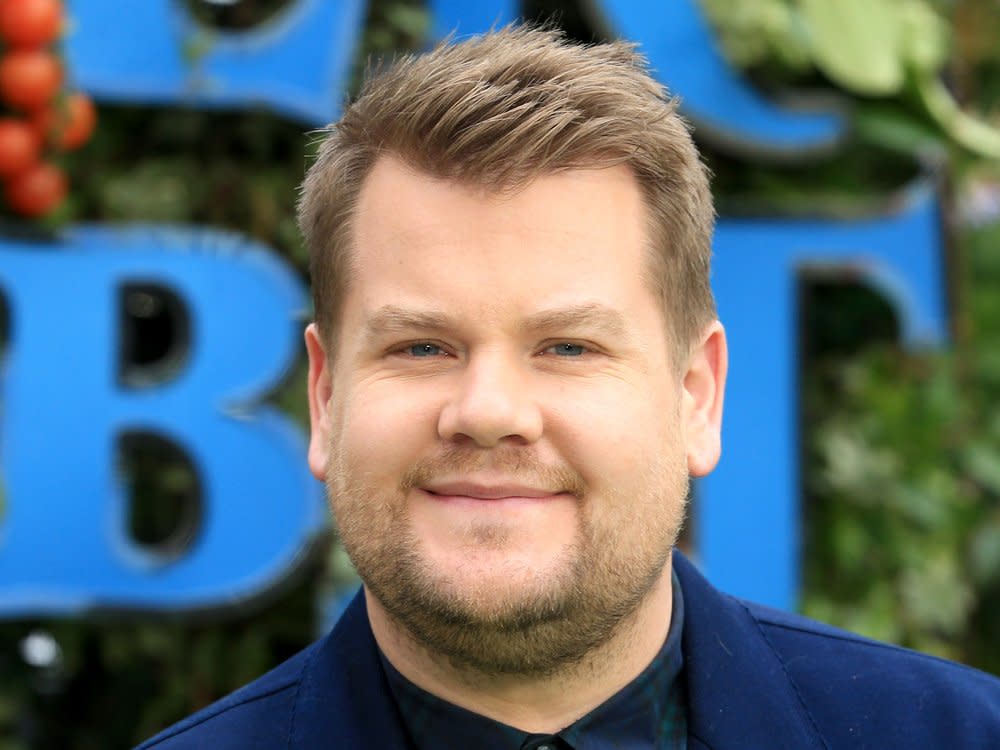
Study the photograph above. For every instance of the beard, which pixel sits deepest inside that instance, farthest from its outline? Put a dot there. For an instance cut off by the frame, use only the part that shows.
(538, 622)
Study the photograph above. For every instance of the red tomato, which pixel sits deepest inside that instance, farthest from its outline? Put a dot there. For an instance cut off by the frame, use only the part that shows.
(29, 79)
(36, 191)
(30, 23)
(68, 124)
(20, 146)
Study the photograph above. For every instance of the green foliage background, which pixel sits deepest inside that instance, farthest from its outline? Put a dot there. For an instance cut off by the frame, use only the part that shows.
(902, 449)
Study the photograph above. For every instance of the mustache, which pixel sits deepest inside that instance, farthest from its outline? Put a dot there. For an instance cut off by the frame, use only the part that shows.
(511, 463)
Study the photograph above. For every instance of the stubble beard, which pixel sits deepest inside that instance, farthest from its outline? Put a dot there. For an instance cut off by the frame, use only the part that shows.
(545, 623)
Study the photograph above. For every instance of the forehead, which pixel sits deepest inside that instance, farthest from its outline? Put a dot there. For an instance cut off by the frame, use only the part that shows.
(564, 240)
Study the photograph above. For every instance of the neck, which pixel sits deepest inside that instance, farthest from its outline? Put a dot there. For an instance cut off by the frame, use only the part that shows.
(534, 704)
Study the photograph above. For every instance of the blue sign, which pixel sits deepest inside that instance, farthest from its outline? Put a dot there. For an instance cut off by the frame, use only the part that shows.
(63, 410)
(64, 546)
(155, 51)
(748, 508)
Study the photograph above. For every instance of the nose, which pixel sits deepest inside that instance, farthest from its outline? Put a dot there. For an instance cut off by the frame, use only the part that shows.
(492, 402)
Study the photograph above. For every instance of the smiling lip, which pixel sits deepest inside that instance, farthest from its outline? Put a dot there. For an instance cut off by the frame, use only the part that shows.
(479, 491)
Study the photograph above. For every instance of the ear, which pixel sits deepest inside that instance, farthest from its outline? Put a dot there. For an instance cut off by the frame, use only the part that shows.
(702, 391)
(319, 402)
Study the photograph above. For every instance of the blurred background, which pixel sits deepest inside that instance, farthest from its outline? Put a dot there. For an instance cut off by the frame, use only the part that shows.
(897, 444)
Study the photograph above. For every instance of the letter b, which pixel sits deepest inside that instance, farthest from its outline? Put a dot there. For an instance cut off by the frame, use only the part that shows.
(64, 545)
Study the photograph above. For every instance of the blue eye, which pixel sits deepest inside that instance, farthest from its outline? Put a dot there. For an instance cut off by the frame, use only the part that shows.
(568, 350)
(423, 350)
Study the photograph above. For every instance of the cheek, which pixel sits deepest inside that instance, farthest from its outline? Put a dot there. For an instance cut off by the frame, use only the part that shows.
(612, 432)
(384, 426)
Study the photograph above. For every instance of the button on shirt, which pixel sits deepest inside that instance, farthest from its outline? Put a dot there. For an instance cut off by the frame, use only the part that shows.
(647, 714)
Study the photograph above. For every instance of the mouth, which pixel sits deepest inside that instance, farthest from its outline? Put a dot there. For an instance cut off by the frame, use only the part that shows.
(489, 492)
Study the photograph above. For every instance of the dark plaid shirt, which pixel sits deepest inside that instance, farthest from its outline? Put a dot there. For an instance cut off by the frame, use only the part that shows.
(647, 714)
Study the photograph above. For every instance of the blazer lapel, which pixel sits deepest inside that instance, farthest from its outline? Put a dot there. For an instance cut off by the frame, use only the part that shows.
(344, 700)
(739, 695)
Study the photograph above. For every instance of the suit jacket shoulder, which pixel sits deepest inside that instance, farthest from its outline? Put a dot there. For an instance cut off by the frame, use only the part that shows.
(889, 692)
(331, 695)
(255, 716)
(761, 678)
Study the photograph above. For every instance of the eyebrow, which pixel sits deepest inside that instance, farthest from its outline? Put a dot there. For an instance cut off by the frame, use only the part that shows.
(394, 319)
(590, 315)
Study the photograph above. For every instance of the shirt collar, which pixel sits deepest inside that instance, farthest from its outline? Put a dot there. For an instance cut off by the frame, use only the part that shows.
(640, 715)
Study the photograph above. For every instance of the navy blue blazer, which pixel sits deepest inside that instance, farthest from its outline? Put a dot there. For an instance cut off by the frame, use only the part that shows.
(756, 678)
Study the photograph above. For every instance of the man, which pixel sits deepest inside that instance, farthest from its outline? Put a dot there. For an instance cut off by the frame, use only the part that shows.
(515, 369)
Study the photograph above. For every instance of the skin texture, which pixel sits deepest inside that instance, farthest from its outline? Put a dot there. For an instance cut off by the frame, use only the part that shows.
(505, 439)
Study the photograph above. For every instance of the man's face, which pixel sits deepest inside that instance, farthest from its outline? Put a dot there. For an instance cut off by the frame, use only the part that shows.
(504, 437)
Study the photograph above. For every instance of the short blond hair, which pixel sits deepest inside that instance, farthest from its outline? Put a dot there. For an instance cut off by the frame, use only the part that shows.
(499, 110)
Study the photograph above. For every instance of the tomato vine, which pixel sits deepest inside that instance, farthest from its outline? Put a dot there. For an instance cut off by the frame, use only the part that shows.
(43, 118)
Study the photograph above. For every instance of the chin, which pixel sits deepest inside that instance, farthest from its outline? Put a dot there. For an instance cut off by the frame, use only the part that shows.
(491, 577)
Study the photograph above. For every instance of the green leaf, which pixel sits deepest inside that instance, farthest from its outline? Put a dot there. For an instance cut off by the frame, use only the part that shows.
(977, 136)
(981, 462)
(410, 20)
(894, 129)
(919, 506)
(924, 41)
(984, 555)
(751, 33)
(936, 597)
(857, 43)
(853, 465)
